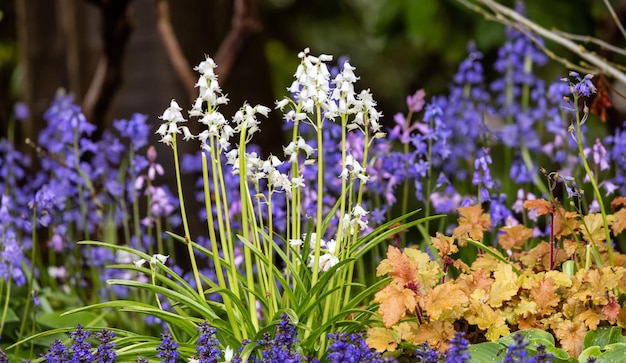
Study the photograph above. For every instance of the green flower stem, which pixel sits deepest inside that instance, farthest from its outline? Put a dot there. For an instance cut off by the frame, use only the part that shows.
(529, 165)
(265, 247)
(405, 186)
(342, 200)
(358, 202)
(594, 184)
(135, 200)
(341, 240)
(30, 277)
(525, 102)
(320, 195)
(221, 206)
(319, 220)
(5, 308)
(245, 224)
(149, 218)
(183, 214)
(295, 197)
(270, 257)
(214, 248)
(81, 196)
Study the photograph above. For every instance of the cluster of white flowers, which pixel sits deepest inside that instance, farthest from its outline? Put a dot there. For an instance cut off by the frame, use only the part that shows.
(329, 256)
(153, 260)
(354, 169)
(355, 221)
(312, 83)
(172, 118)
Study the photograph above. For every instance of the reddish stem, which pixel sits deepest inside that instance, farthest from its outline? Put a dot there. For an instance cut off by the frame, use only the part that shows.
(552, 256)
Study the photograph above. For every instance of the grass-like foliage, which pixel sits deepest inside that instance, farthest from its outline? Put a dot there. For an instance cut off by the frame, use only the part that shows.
(483, 225)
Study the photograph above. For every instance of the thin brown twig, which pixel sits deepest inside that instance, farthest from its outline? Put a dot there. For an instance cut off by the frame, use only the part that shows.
(508, 16)
(589, 39)
(616, 20)
(245, 21)
(173, 49)
(116, 29)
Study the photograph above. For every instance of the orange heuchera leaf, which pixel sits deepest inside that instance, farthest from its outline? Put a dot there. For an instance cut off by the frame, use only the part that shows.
(445, 297)
(544, 295)
(381, 339)
(444, 244)
(591, 318)
(406, 331)
(565, 223)
(621, 318)
(617, 202)
(472, 223)
(571, 336)
(504, 287)
(525, 308)
(436, 333)
(486, 318)
(479, 279)
(592, 285)
(595, 227)
(611, 310)
(398, 266)
(619, 223)
(394, 301)
(514, 236)
(428, 271)
(543, 206)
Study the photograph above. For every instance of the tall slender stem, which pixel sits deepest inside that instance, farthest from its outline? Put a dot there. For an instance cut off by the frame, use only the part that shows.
(183, 214)
(592, 179)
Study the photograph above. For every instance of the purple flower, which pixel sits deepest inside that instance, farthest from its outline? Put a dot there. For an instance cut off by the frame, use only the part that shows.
(458, 349)
(350, 348)
(81, 348)
(168, 349)
(136, 129)
(584, 86)
(3, 357)
(207, 350)
(21, 111)
(57, 353)
(426, 354)
(542, 356)
(415, 102)
(482, 173)
(516, 352)
(281, 349)
(106, 348)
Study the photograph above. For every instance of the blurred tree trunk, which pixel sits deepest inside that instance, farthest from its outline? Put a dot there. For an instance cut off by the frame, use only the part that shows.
(61, 42)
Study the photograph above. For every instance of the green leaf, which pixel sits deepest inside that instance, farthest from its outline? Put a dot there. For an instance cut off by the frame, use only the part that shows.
(494, 252)
(59, 319)
(533, 335)
(612, 353)
(11, 316)
(489, 352)
(603, 336)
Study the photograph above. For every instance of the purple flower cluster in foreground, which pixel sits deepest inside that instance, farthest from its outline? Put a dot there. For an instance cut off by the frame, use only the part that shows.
(282, 348)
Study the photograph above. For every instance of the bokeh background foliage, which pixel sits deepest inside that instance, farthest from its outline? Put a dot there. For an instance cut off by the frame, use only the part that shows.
(397, 45)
